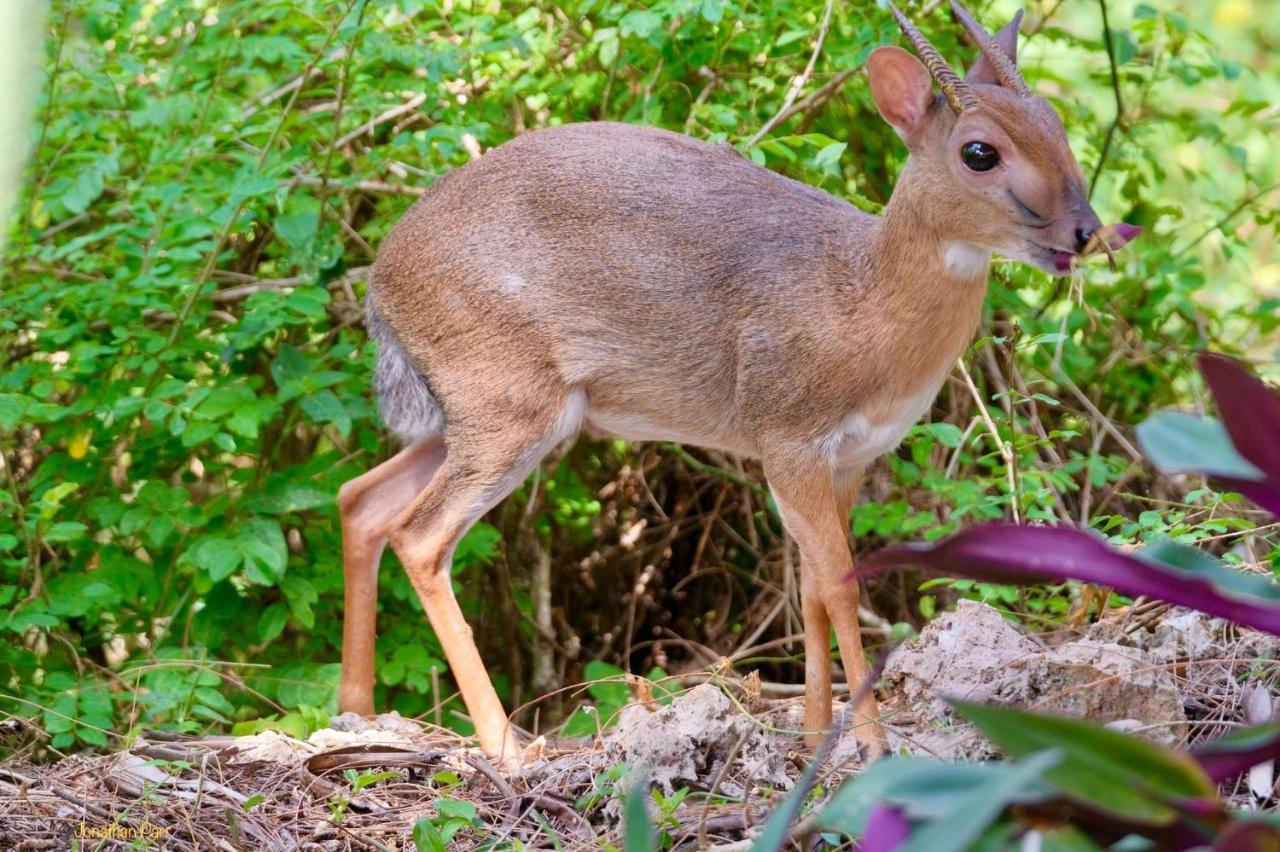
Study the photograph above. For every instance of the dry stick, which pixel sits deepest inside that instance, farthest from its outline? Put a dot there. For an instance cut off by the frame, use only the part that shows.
(800, 81)
(715, 785)
(391, 114)
(244, 291)
(1231, 214)
(810, 776)
(819, 97)
(1086, 498)
(746, 643)
(994, 376)
(485, 768)
(1093, 410)
(381, 186)
(338, 112)
(1115, 89)
(1006, 452)
(955, 456)
(291, 86)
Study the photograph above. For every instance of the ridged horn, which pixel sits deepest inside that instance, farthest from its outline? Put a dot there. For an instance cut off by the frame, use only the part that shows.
(954, 89)
(1005, 68)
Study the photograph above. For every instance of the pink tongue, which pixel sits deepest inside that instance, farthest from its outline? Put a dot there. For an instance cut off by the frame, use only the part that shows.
(1062, 261)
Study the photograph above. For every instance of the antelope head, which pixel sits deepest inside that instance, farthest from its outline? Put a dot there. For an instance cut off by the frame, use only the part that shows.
(991, 155)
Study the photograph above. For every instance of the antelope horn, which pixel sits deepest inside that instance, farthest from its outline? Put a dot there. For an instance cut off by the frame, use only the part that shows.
(956, 91)
(1006, 70)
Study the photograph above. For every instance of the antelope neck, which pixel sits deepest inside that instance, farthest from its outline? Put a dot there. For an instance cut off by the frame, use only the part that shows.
(916, 255)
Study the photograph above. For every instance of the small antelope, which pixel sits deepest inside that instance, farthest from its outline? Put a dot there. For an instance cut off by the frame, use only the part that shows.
(644, 284)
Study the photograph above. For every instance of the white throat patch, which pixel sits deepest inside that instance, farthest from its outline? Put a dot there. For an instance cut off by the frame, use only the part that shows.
(966, 260)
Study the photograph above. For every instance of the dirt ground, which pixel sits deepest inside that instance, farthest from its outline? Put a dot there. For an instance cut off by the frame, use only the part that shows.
(718, 756)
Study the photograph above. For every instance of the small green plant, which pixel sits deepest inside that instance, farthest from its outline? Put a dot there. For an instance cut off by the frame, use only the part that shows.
(434, 834)
(667, 806)
(358, 781)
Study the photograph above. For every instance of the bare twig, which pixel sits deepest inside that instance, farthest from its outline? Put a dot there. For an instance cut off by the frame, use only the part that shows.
(244, 291)
(379, 186)
(1115, 90)
(1231, 214)
(390, 115)
(1006, 451)
(293, 85)
(800, 82)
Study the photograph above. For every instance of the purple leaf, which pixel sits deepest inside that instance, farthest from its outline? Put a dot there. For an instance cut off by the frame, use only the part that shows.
(1250, 410)
(887, 830)
(1246, 835)
(1239, 751)
(1251, 414)
(1266, 494)
(1003, 553)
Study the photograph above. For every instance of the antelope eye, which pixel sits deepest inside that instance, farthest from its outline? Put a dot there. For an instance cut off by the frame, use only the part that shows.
(979, 156)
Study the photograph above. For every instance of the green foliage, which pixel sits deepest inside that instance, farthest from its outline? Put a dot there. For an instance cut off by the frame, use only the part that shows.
(1066, 784)
(639, 834)
(433, 834)
(1110, 770)
(185, 382)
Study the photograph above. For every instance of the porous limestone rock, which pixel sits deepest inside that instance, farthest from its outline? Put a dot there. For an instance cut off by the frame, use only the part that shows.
(687, 743)
(975, 654)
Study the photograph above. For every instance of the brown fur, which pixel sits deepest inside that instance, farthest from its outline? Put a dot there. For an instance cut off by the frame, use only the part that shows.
(644, 283)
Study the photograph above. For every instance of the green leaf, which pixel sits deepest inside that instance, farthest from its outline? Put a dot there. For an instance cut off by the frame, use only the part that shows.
(640, 23)
(12, 408)
(455, 809)
(284, 497)
(1117, 773)
(65, 531)
(218, 557)
(324, 407)
(922, 788)
(478, 547)
(638, 831)
(828, 159)
(272, 621)
(262, 546)
(309, 685)
(289, 367)
(975, 811)
(607, 685)
(948, 434)
(427, 838)
(1177, 442)
(298, 228)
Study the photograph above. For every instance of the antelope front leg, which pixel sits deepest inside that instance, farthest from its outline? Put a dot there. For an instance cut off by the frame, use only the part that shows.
(814, 513)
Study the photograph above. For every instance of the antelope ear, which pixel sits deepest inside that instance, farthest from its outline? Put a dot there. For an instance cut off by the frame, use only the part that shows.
(982, 70)
(902, 89)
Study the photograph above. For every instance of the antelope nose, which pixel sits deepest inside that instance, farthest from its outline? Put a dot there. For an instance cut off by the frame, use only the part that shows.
(1082, 238)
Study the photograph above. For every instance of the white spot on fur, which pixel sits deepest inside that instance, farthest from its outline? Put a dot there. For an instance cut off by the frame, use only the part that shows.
(512, 284)
(966, 260)
(857, 441)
